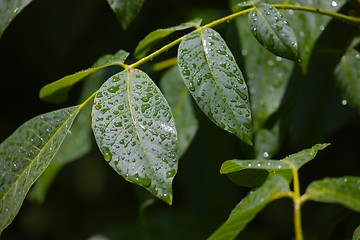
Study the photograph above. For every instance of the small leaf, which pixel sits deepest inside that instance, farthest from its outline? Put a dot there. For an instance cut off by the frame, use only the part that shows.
(297, 160)
(251, 173)
(135, 131)
(238, 5)
(26, 154)
(210, 72)
(9, 9)
(248, 207)
(342, 190)
(180, 103)
(152, 38)
(347, 75)
(50, 92)
(126, 10)
(356, 235)
(272, 30)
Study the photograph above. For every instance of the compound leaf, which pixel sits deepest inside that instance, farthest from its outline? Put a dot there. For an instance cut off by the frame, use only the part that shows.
(215, 81)
(57, 91)
(342, 190)
(248, 207)
(180, 103)
(272, 30)
(26, 154)
(126, 10)
(135, 131)
(9, 9)
(152, 38)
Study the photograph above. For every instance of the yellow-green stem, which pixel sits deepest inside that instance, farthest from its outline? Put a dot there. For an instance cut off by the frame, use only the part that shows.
(297, 205)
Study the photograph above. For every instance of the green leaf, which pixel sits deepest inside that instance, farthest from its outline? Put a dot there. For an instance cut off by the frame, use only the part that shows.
(342, 190)
(297, 160)
(135, 131)
(248, 207)
(309, 26)
(126, 10)
(272, 30)
(9, 9)
(238, 5)
(152, 38)
(26, 154)
(75, 145)
(347, 75)
(251, 173)
(57, 91)
(267, 141)
(210, 72)
(180, 103)
(356, 235)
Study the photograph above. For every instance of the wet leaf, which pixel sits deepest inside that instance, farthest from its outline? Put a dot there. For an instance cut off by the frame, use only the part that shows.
(180, 103)
(248, 207)
(135, 131)
(152, 38)
(356, 235)
(26, 154)
(347, 75)
(272, 30)
(342, 190)
(213, 78)
(9, 9)
(126, 10)
(50, 92)
(75, 145)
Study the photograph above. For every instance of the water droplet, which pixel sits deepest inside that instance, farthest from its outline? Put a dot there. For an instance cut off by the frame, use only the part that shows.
(15, 167)
(99, 95)
(334, 4)
(249, 165)
(106, 153)
(266, 154)
(16, 10)
(301, 34)
(278, 166)
(191, 86)
(278, 59)
(143, 181)
(322, 28)
(344, 102)
(170, 173)
(244, 52)
(357, 56)
(113, 89)
(345, 179)
(258, 165)
(242, 95)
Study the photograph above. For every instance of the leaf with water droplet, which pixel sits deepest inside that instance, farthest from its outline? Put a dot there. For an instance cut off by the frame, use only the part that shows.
(215, 81)
(249, 207)
(26, 154)
(9, 10)
(347, 76)
(139, 142)
(154, 37)
(180, 103)
(126, 10)
(341, 190)
(272, 30)
(56, 92)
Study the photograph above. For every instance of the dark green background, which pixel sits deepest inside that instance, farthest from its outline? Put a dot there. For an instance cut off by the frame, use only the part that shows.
(51, 39)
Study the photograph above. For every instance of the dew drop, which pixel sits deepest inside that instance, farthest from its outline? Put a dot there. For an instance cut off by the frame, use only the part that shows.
(106, 153)
(191, 86)
(322, 28)
(249, 165)
(266, 154)
(113, 89)
(334, 3)
(170, 173)
(344, 102)
(15, 167)
(357, 56)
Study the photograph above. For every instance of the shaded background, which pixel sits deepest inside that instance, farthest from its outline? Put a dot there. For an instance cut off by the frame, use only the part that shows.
(51, 39)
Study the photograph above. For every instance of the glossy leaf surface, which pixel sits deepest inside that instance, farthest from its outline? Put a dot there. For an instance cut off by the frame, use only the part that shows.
(180, 103)
(152, 38)
(272, 30)
(26, 154)
(248, 207)
(135, 131)
(347, 74)
(50, 92)
(126, 10)
(9, 9)
(213, 78)
(342, 190)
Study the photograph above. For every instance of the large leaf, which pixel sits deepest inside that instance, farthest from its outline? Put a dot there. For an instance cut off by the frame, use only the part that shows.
(135, 131)
(9, 9)
(250, 173)
(342, 190)
(180, 103)
(26, 154)
(248, 207)
(152, 38)
(347, 75)
(126, 10)
(273, 31)
(75, 145)
(210, 72)
(57, 91)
